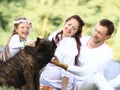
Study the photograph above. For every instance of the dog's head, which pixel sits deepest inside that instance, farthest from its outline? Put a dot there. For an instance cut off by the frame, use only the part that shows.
(43, 51)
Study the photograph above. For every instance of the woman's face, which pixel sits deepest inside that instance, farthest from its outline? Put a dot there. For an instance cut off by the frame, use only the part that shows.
(70, 27)
(23, 30)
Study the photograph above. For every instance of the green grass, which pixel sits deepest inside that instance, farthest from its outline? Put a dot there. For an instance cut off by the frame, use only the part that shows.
(9, 88)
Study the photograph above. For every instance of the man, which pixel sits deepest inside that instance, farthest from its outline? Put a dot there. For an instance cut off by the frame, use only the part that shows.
(93, 58)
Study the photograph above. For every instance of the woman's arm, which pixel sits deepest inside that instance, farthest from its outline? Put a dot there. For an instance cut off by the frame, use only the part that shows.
(64, 82)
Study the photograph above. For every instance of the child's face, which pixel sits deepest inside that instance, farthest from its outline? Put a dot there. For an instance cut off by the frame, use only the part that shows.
(23, 30)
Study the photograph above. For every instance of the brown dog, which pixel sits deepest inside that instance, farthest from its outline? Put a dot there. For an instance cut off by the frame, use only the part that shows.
(24, 67)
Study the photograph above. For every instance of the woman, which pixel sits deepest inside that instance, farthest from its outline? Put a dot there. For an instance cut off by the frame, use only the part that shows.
(68, 47)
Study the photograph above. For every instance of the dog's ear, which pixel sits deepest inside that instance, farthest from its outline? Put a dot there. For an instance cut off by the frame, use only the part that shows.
(37, 41)
(29, 50)
(54, 44)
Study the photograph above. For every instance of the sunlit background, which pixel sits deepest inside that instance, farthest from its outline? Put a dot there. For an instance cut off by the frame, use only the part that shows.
(49, 15)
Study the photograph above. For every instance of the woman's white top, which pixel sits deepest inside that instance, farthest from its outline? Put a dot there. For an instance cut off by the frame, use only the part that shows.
(66, 52)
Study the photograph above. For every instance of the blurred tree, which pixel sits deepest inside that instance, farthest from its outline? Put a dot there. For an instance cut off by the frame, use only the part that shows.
(3, 22)
(49, 15)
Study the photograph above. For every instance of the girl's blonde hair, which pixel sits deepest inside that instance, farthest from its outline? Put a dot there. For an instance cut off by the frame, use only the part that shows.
(19, 20)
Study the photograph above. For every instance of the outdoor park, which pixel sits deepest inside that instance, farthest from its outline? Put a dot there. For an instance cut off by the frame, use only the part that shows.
(49, 15)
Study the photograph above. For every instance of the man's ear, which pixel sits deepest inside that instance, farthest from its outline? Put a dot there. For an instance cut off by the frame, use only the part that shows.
(29, 50)
(107, 37)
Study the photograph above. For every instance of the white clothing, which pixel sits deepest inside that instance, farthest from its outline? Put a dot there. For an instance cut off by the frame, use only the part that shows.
(66, 52)
(115, 82)
(14, 46)
(92, 63)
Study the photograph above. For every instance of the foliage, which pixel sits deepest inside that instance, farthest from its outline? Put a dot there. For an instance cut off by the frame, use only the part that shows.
(49, 15)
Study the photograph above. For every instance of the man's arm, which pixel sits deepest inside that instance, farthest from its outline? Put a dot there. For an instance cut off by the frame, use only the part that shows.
(56, 62)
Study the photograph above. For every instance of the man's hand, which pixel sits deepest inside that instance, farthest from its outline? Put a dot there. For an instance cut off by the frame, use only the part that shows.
(56, 62)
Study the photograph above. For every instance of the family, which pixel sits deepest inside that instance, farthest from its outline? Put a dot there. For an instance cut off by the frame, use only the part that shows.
(79, 60)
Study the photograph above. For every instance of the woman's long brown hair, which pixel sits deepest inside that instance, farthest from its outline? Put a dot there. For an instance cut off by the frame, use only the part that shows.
(76, 36)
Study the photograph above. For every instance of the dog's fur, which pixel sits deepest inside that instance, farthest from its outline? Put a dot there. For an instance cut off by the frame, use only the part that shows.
(24, 67)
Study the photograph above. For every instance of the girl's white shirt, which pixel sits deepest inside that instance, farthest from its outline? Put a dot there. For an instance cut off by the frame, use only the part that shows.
(15, 45)
(66, 52)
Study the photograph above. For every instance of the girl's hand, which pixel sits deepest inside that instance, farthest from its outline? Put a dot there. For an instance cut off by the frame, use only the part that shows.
(31, 43)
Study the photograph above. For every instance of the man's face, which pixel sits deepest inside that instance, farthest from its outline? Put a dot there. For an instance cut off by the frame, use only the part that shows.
(100, 34)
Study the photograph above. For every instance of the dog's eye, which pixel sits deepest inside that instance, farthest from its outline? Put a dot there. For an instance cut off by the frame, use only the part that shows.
(40, 50)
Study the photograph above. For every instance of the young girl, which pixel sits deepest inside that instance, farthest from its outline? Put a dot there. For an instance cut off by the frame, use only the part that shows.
(18, 39)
